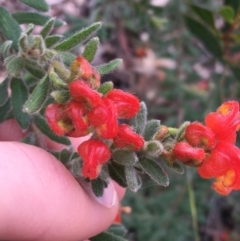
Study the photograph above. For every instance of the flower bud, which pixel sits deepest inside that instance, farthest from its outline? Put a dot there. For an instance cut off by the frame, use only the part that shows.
(188, 155)
(94, 154)
(127, 105)
(127, 138)
(198, 135)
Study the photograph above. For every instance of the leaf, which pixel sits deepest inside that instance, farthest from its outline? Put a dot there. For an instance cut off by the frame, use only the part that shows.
(132, 178)
(61, 96)
(67, 58)
(52, 40)
(4, 110)
(91, 49)
(65, 155)
(234, 4)
(151, 129)
(153, 148)
(105, 236)
(5, 48)
(227, 13)
(155, 171)
(98, 187)
(34, 18)
(45, 129)
(117, 229)
(19, 97)
(15, 66)
(209, 40)
(47, 28)
(38, 96)
(124, 157)
(40, 5)
(29, 139)
(109, 67)
(117, 173)
(35, 70)
(140, 119)
(105, 87)
(4, 91)
(77, 38)
(205, 14)
(9, 27)
(176, 167)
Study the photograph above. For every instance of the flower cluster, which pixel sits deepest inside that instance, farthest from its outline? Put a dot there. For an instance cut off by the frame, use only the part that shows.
(89, 111)
(211, 147)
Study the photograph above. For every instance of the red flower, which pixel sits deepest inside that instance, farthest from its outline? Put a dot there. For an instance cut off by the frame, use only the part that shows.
(81, 92)
(225, 122)
(104, 118)
(127, 138)
(94, 154)
(188, 155)
(57, 119)
(198, 135)
(127, 105)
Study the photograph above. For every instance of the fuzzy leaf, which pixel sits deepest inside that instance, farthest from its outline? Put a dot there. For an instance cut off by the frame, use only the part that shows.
(52, 40)
(77, 38)
(35, 70)
(117, 173)
(19, 96)
(45, 129)
(153, 148)
(109, 67)
(38, 96)
(9, 27)
(65, 155)
(34, 18)
(67, 58)
(155, 171)
(105, 87)
(91, 49)
(140, 119)
(61, 96)
(40, 5)
(4, 110)
(98, 187)
(47, 28)
(151, 129)
(132, 178)
(30, 28)
(76, 167)
(105, 236)
(176, 167)
(15, 66)
(56, 81)
(124, 157)
(227, 13)
(5, 47)
(4, 91)
(118, 229)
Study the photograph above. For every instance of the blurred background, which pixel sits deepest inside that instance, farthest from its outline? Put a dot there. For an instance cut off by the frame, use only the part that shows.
(183, 59)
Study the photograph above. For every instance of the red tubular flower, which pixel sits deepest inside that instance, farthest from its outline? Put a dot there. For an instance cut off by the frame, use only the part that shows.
(225, 122)
(198, 135)
(81, 68)
(188, 155)
(127, 138)
(81, 92)
(94, 154)
(57, 119)
(104, 118)
(127, 105)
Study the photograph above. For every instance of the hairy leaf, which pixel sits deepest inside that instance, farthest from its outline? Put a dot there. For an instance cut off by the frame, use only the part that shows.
(117, 173)
(40, 5)
(4, 91)
(140, 119)
(52, 40)
(151, 128)
(47, 28)
(109, 67)
(124, 157)
(132, 178)
(91, 49)
(98, 187)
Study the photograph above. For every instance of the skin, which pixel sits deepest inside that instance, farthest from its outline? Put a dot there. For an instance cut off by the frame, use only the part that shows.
(40, 199)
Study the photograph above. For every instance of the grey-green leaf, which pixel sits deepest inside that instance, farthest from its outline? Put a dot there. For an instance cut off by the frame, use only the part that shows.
(117, 173)
(91, 49)
(15, 66)
(154, 170)
(105, 87)
(5, 47)
(9, 27)
(227, 13)
(34, 69)
(140, 119)
(176, 167)
(105, 236)
(4, 91)
(67, 58)
(52, 40)
(109, 67)
(4, 110)
(132, 178)
(77, 38)
(40, 5)
(117, 229)
(124, 157)
(151, 129)
(98, 187)
(47, 28)
(45, 129)
(19, 97)
(38, 96)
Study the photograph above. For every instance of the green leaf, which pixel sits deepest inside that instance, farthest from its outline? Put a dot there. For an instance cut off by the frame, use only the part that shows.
(19, 97)
(5, 48)
(61, 96)
(40, 5)
(98, 187)
(234, 4)
(4, 91)
(38, 96)
(4, 110)
(65, 155)
(47, 28)
(76, 167)
(227, 13)
(34, 18)
(109, 67)
(151, 129)
(176, 167)
(155, 171)
(15, 66)
(117, 229)
(124, 157)
(35, 70)
(107, 237)
(91, 49)
(77, 38)
(153, 148)
(67, 58)
(30, 28)
(45, 129)
(132, 178)
(50, 41)
(209, 40)
(9, 27)
(29, 139)
(205, 14)
(105, 87)
(117, 173)
(140, 119)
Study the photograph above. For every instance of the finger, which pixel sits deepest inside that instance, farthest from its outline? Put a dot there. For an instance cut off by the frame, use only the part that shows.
(40, 200)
